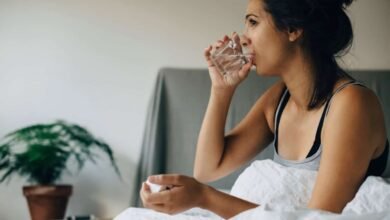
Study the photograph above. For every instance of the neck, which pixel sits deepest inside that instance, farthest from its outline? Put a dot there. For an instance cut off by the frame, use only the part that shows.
(299, 79)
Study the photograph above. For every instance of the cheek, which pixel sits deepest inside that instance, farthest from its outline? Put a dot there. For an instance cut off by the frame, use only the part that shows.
(269, 55)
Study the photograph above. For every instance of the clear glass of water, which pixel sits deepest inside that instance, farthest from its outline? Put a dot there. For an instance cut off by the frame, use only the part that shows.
(230, 58)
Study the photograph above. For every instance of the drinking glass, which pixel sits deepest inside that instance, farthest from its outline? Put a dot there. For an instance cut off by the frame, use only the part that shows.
(230, 57)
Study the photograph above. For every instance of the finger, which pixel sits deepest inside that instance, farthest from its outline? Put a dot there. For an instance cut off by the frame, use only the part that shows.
(144, 195)
(149, 199)
(236, 39)
(159, 197)
(145, 191)
(235, 36)
(157, 207)
(146, 187)
(168, 179)
(226, 38)
(218, 44)
(167, 209)
(207, 54)
(243, 73)
(222, 42)
(154, 206)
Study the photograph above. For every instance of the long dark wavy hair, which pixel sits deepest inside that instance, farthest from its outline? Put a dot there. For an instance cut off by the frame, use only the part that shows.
(327, 35)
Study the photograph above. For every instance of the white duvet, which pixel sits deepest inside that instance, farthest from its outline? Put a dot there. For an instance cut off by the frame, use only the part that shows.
(283, 193)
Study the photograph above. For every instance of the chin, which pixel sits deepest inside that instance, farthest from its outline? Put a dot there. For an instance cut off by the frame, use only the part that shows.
(263, 72)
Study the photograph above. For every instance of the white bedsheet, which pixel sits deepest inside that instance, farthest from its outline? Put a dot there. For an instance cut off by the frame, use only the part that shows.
(283, 193)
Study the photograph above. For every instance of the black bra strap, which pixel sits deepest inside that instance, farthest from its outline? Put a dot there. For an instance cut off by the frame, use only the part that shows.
(327, 105)
(278, 114)
(317, 141)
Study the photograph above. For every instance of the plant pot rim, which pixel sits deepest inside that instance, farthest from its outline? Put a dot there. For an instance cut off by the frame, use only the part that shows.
(48, 190)
(47, 185)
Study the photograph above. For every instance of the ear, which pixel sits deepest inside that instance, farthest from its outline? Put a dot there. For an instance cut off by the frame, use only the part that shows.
(294, 34)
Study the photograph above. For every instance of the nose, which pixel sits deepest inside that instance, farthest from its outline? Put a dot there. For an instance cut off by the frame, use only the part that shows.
(245, 41)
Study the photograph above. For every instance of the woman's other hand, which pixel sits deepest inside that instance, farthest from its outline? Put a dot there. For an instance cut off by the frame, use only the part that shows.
(231, 80)
(186, 193)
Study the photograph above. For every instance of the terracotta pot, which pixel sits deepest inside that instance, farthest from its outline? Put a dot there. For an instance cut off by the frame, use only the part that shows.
(47, 202)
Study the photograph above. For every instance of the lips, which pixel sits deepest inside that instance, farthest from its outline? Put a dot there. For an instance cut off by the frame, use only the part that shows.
(251, 55)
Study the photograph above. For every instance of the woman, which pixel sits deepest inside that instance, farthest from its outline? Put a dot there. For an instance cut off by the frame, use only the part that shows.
(296, 40)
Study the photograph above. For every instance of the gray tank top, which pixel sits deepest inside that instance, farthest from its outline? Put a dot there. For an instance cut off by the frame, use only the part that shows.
(312, 161)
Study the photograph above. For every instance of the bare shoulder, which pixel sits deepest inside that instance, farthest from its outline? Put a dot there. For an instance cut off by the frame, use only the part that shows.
(358, 107)
(359, 99)
(356, 93)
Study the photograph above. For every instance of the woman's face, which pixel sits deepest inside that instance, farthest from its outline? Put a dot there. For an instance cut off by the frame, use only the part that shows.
(271, 47)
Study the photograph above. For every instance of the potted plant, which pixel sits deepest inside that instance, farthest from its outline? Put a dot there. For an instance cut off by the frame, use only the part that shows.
(42, 153)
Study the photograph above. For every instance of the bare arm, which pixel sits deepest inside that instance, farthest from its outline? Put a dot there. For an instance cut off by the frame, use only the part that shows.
(218, 154)
(211, 139)
(225, 205)
(353, 130)
(188, 193)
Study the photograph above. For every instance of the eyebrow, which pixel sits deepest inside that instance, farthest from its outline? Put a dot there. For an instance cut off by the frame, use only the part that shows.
(248, 15)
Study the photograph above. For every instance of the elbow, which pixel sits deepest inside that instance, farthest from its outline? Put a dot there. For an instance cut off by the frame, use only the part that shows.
(328, 207)
(203, 176)
(199, 176)
(206, 174)
(202, 179)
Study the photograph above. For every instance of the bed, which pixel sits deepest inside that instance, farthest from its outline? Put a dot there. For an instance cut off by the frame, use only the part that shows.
(176, 111)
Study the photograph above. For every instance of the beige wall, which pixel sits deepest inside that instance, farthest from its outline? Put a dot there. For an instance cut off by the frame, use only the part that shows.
(94, 62)
(371, 46)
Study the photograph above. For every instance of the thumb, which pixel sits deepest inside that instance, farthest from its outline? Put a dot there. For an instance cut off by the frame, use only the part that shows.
(243, 73)
(146, 187)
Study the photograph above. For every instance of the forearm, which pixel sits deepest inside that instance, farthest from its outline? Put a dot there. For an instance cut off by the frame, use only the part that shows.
(211, 138)
(224, 204)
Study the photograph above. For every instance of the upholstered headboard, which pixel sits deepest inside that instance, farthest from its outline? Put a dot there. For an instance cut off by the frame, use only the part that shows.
(177, 108)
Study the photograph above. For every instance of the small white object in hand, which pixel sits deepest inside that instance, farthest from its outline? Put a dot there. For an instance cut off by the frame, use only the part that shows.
(157, 188)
